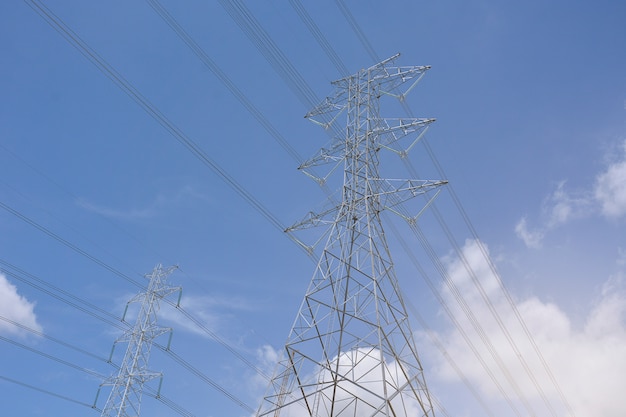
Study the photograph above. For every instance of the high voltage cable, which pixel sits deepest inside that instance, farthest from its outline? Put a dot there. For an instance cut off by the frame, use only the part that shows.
(169, 403)
(217, 71)
(357, 30)
(193, 319)
(183, 311)
(319, 37)
(442, 272)
(54, 216)
(223, 77)
(367, 45)
(262, 41)
(478, 328)
(55, 340)
(197, 322)
(493, 311)
(172, 354)
(69, 244)
(71, 195)
(468, 268)
(71, 37)
(502, 287)
(92, 61)
(43, 282)
(44, 391)
(264, 44)
(205, 378)
(436, 341)
(58, 297)
(54, 358)
(219, 340)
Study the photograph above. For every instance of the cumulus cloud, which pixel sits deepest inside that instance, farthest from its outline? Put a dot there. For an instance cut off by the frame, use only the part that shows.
(16, 308)
(589, 361)
(364, 381)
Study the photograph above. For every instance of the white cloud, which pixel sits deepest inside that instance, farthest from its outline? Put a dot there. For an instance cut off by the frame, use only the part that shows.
(588, 361)
(16, 308)
(152, 209)
(607, 197)
(215, 313)
(364, 382)
(558, 208)
(563, 206)
(531, 238)
(610, 188)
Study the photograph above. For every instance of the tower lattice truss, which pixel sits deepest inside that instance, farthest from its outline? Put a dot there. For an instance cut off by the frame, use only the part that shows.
(128, 385)
(351, 351)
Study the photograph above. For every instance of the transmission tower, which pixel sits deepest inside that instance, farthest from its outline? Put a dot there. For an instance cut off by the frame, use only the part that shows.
(125, 397)
(351, 351)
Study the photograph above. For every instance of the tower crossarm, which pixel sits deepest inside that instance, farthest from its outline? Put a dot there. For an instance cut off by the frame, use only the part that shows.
(391, 195)
(387, 78)
(391, 132)
(335, 154)
(313, 219)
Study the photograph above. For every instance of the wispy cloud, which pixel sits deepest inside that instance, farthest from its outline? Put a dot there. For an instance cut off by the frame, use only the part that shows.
(610, 187)
(150, 209)
(559, 208)
(121, 214)
(532, 238)
(576, 354)
(213, 312)
(607, 198)
(17, 308)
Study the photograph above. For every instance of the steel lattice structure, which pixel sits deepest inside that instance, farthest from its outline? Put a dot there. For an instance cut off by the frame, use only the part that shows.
(351, 351)
(125, 397)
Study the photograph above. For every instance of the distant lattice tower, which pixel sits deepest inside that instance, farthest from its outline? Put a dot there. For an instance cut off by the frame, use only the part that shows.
(351, 351)
(128, 385)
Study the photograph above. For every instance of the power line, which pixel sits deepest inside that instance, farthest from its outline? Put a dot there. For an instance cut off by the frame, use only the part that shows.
(70, 245)
(319, 37)
(502, 287)
(73, 196)
(368, 46)
(47, 392)
(73, 39)
(205, 378)
(157, 395)
(55, 340)
(28, 278)
(223, 77)
(357, 30)
(264, 44)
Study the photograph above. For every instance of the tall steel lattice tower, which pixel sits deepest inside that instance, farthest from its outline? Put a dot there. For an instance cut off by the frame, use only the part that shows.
(351, 351)
(128, 385)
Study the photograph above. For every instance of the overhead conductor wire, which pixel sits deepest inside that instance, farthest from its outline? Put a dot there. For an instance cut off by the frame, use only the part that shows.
(368, 46)
(71, 37)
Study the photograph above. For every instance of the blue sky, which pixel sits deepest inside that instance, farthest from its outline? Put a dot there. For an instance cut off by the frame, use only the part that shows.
(530, 101)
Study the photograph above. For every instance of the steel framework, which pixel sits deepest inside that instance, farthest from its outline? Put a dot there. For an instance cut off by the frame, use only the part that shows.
(351, 351)
(125, 397)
